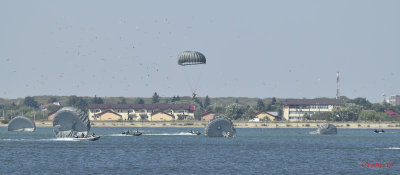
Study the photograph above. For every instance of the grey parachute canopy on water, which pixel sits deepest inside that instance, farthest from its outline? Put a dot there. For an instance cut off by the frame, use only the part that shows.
(220, 126)
(21, 123)
(191, 58)
(326, 129)
(71, 122)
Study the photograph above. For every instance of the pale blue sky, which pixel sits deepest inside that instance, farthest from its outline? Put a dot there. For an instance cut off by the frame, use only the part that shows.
(285, 49)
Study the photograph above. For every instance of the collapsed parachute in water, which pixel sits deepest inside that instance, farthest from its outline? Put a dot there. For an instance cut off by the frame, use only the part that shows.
(71, 122)
(191, 58)
(220, 127)
(21, 123)
(326, 129)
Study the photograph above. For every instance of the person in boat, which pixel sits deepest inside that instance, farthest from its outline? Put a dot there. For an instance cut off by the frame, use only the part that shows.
(127, 132)
(83, 135)
(93, 135)
(191, 131)
(376, 130)
(137, 130)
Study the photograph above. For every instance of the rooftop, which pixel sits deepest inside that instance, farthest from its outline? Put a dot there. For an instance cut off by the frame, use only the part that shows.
(321, 101)
(140, 106)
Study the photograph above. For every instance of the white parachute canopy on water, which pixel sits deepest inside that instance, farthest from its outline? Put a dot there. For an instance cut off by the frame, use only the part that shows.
(21, 123)
(71, 122)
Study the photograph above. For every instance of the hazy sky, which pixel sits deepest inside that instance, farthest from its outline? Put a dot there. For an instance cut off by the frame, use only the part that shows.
(282, 48)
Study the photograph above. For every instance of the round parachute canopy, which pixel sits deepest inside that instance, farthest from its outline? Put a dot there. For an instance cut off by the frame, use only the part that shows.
(327, 129)
(191, 58)
(70, 122)
(21, 123)
(220, 127)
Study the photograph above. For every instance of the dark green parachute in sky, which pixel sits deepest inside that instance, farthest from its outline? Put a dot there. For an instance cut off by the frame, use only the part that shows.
(191, 58)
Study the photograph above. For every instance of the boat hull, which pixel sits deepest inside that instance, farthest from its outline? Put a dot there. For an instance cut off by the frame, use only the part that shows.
(88, 138)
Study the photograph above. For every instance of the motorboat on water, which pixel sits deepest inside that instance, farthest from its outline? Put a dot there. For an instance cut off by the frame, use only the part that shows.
(132, 133)
(379, 131)
(91, 138)
(194, 132)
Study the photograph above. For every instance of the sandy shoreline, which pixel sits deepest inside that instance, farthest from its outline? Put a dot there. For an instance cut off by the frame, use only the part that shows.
(238, 124)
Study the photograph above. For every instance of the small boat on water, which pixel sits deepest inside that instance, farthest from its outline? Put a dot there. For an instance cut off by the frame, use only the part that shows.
(91, 138)
(132, 133)
(194, 132)
(379, 131)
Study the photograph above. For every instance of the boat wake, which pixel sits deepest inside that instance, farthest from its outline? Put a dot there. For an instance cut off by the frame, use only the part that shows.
(393, 148)
(118, 135)
(17, 140)
(39, 140)
(171, 134)
(61, 139)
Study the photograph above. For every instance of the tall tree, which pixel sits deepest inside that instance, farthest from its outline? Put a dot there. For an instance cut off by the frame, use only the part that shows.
(156, 98)
(139, 101)
(173, 99)
(97, 100)
(235, 111)
(78, 102)
(362, 102)
(31, 102)
(249, 113)
(123, 101)
(260, 105)
(207, 102)
(273, 101)
(52, 100)
(199, 102)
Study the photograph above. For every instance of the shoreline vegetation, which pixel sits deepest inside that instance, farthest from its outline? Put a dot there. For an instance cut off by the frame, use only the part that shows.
(352, 113)
(237, 124)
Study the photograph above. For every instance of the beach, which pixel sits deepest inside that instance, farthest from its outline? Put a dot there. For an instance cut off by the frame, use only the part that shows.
(237, 124)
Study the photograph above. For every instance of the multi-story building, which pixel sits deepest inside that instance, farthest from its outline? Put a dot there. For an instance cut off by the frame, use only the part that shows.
(394, 100)
(141, 111)
(295, 109)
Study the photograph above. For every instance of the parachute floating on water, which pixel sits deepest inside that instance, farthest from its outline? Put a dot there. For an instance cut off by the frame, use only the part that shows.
(220, 127)
(70, 122)
(191, 58)
(326, 129)
(21, 123)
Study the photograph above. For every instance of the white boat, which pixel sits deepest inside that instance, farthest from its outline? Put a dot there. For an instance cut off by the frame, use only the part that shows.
(131, 133)
(91, 138)
(194, 132)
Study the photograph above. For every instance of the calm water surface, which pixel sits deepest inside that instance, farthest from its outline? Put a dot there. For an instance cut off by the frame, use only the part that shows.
(173, 151)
